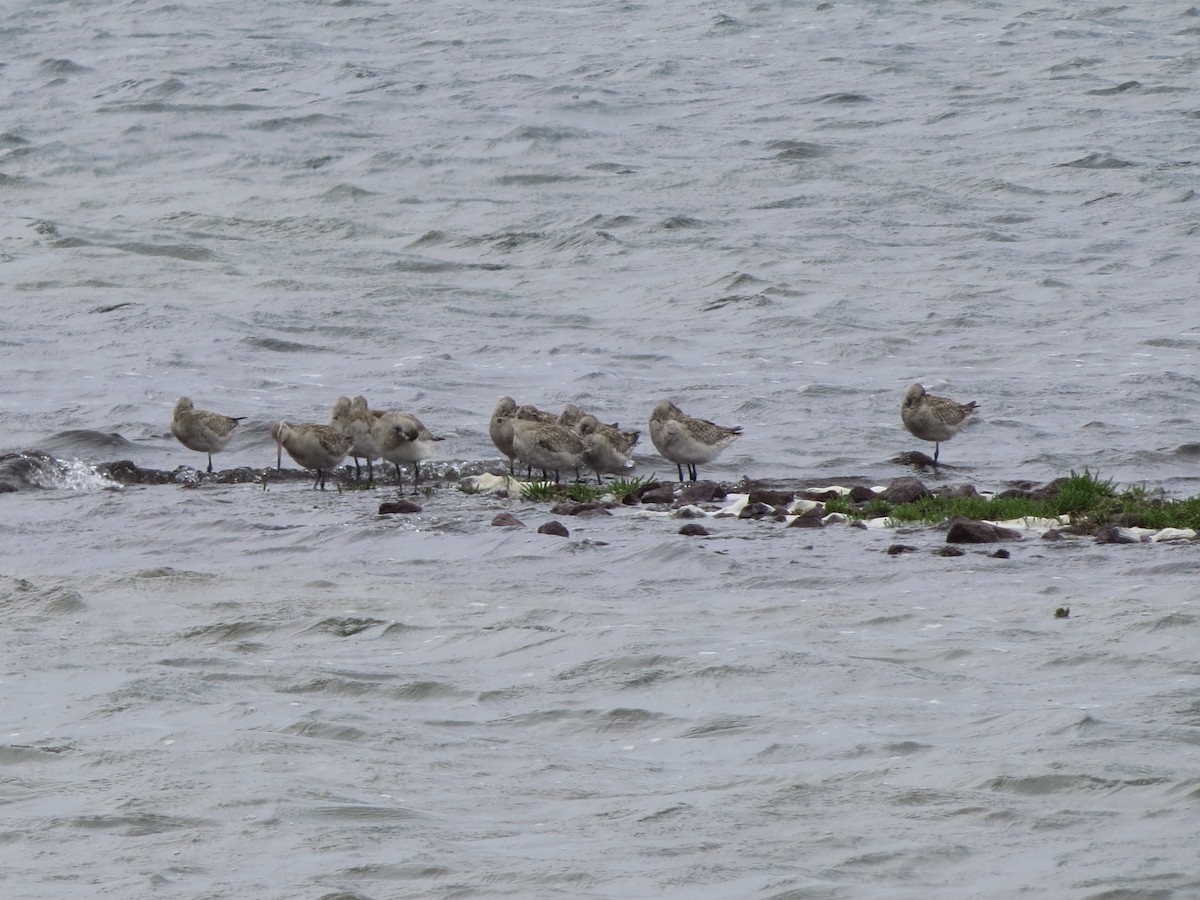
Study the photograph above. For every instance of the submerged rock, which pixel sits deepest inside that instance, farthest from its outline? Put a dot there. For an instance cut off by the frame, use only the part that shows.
(658, 493)
(554, 527)
(694, 529)
(905, 490)
(508, 519)
(1112, 534)
(810, 518)
(396, 507)
(970, 531)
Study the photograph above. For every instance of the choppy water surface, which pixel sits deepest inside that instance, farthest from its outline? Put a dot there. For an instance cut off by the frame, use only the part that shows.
(779, 215)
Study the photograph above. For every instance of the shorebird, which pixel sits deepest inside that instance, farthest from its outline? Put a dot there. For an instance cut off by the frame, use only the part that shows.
(501, 428)
(317, 447)
(199, 429)
(402, 438)
(684, 439)
(353, 419)
(570, 416)
(606, 447)
(933, 418)
(546, 445)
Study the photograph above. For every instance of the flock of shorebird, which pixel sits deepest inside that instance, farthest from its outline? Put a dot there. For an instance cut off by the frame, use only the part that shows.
(571, 441)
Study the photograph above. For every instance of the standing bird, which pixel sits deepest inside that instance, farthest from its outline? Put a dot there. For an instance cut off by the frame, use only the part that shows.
(933, 418)
(353, 419)
(199, 429)
(501, 428)
(684, 439)
(605, 447)
(402, 438)
(546, 445)
(317, 447)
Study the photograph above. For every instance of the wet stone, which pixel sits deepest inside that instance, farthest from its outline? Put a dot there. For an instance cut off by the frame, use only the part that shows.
(508, 519)
(573, 508)
(756, 511)
(905, 490)
(659, 493)
(970, 531)
(701, 492)
(397, 507)
(772, 498)
(554, 527)
(810, 518)
(861, 494)
(897, 549)
(1111, 534)
(949, 551)
(693, 529)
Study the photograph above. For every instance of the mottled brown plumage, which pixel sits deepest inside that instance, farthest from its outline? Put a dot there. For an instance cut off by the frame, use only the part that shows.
(933, 418)
(686, 440)
(316, 447)
(199, 429)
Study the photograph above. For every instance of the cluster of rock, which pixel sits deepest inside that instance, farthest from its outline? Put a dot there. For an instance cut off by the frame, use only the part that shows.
(798, 506)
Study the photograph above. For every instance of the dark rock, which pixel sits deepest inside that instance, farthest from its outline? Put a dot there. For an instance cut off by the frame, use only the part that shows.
(949, 551)
(659, 493)
(772, 498)
(123, 471)
(553, 527)
(969, 531)
(1111, 534)
(693, 529)
(756, 511)
(861, 494)
(395, 507)
(1062, 612)
(915, 458)
(905, 490)
(6, 488)
(508, 519)
(647, 486)
(701, 492)
(897, 549)
(810, 518)
(572, 508)
(1000, 554)
(819, 496)
(1053, 534)
(242, 475)
(630, 499)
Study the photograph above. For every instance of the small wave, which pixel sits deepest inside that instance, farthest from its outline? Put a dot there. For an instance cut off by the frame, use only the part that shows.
(24, 597)
(842, 98)
(61, 67)
(1097, 161)
(792, 151)
(277, 345)
(34, 469)
(535, 179)
(290, 123)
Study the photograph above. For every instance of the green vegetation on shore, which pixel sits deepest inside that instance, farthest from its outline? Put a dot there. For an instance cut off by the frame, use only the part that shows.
(1087, 501)
(581, 491)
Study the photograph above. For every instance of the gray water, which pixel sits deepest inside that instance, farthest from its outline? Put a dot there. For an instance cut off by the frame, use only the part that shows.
(777, 214)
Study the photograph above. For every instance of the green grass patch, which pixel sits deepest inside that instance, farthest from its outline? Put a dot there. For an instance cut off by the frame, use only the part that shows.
(623, 487)
(1086, 499)
(548, 492)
